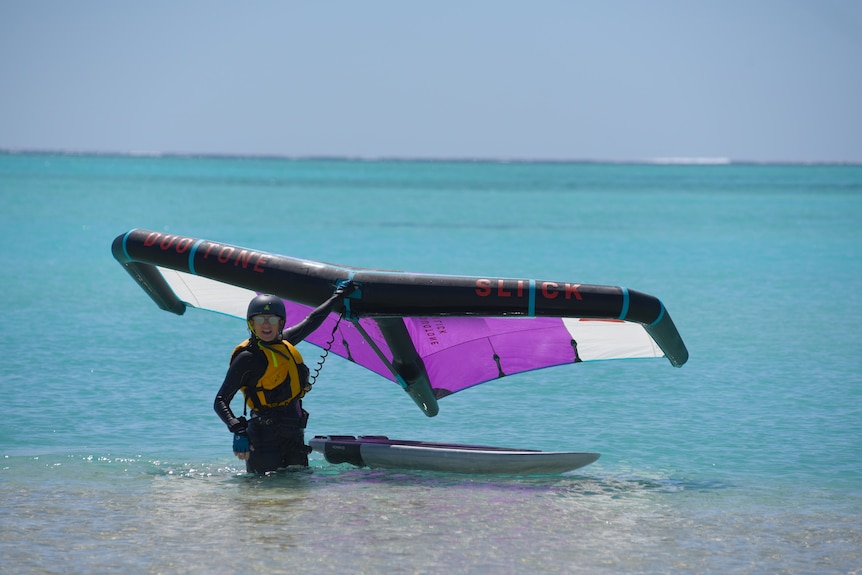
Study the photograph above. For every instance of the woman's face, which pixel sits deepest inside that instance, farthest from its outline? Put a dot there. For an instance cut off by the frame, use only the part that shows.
(267, 327)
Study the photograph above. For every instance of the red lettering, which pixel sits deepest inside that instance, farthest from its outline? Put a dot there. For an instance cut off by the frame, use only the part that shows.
(167, 242)
(184, 244)
(547, 288)
(243, 258)
(225, 254)
(572, 289)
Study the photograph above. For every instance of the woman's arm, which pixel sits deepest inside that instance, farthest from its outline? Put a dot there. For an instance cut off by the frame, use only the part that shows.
(233, 382)
(312, 321)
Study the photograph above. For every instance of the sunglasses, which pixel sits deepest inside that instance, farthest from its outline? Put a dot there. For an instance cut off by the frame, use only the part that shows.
(259, 320)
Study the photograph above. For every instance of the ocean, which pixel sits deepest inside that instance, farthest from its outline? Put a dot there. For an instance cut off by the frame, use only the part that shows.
(748, 459)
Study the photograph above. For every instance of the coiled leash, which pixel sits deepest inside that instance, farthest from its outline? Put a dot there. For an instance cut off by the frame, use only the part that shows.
(316, 372)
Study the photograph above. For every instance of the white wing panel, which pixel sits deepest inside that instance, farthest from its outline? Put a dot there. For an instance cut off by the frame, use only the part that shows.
(611, 339)
(208, 294)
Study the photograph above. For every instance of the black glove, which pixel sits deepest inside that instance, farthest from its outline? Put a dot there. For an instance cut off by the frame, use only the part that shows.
(238, 426)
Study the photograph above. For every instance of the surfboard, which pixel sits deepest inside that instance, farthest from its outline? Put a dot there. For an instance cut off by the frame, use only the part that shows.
(381, 452)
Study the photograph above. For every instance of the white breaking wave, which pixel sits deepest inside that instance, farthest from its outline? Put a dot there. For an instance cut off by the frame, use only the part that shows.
(685, 160)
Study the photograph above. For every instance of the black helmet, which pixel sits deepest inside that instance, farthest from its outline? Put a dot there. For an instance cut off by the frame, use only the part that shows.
(265, 303)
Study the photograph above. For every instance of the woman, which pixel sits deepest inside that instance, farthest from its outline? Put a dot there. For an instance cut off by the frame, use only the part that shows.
(269, 371)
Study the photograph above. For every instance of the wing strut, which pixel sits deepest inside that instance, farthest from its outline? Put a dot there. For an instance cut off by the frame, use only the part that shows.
(406, 365)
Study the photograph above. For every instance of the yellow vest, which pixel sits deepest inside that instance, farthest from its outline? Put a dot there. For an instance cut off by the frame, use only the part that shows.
(280, 384)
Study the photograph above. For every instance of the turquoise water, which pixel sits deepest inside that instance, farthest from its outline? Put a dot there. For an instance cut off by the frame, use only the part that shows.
(746, 460)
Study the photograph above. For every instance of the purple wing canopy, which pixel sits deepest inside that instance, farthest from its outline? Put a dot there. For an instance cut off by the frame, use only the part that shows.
(433, 335)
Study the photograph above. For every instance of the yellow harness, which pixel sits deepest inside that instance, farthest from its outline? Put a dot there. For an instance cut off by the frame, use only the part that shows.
(280, 383)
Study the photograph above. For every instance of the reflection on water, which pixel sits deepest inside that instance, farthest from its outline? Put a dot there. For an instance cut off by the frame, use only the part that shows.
(104, 515)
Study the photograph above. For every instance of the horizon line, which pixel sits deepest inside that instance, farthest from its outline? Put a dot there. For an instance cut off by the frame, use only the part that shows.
(660, 160)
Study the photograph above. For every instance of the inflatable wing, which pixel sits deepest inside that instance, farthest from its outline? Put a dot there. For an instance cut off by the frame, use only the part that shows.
(433, 335)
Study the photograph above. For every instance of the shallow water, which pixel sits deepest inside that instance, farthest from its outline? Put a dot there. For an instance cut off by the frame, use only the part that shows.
(745, 460)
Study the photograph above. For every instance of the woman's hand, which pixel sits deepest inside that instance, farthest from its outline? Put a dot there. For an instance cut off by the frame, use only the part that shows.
(241, 446)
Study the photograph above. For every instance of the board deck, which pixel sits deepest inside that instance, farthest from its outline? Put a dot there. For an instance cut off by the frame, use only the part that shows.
(381, 452)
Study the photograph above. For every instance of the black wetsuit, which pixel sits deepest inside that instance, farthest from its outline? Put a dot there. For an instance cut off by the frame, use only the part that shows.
(277, 434)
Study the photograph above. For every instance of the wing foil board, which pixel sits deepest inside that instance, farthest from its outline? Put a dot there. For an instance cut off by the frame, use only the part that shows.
(382, 452)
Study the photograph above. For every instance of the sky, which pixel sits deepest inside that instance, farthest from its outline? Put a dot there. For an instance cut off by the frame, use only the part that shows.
(619, 80)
